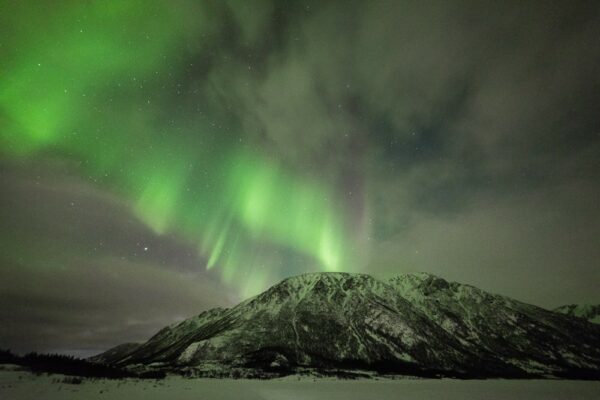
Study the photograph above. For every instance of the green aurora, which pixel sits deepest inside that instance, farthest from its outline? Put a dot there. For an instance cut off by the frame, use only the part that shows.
(88, 85)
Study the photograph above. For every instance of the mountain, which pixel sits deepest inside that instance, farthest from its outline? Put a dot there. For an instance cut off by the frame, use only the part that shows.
(115, 354)
(528, 337)
(585, 311)
(415, 324)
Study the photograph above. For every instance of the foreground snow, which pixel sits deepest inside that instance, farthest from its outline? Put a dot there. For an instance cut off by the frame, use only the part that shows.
(21, 385)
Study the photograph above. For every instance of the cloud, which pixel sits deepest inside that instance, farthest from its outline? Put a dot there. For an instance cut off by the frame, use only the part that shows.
(465, 127)
(81, 273)
(539, 247)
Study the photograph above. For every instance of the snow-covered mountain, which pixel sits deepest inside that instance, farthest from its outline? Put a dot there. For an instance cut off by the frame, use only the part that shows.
(585, 311)
(115, 354)
(530, 338)
(413, 324)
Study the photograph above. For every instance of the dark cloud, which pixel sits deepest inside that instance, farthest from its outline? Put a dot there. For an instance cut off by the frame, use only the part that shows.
(81, 273)
(490, 94)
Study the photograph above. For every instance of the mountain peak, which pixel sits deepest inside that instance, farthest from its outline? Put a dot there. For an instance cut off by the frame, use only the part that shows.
(319, 286)
(330, 277)
(424, 281)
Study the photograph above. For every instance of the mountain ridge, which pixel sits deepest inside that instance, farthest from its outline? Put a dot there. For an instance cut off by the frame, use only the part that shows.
(589, 312)
(415, 323)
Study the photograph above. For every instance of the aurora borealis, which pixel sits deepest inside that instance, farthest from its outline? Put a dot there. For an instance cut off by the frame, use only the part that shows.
(161, 157)
(108, 60)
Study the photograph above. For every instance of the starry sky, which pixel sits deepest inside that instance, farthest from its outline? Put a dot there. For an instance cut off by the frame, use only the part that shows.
(159, 158)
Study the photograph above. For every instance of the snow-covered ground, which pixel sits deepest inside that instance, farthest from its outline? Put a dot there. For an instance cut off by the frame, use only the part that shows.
(20, 385)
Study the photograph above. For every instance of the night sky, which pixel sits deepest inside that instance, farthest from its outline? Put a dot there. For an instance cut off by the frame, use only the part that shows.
(159, 158)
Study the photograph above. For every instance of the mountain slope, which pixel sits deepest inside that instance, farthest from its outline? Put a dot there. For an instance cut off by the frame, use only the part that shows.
(115, 354)
(414, 324)
(585, 311)
(531, 338)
